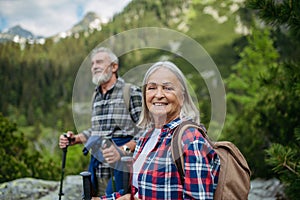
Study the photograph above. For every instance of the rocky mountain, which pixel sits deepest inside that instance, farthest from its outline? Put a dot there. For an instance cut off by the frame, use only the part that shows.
(17, 34)
(90, 22)
(18, 30)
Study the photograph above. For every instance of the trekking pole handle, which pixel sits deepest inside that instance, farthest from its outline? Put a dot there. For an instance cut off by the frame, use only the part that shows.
(106, 143)
(66, 149)
(128, 161)
(87, 185)
(70, 139)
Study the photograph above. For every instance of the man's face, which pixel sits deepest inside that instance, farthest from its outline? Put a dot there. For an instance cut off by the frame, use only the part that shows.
(101, 68)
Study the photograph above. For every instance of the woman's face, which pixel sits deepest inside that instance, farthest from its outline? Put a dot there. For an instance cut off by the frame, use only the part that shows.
(164, 97)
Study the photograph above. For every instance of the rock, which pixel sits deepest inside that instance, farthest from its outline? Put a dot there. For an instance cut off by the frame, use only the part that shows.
(36, 189)
(266, 190)
(33, 189)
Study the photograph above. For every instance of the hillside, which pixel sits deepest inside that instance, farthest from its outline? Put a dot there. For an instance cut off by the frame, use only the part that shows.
(212, 25)
(215, 26)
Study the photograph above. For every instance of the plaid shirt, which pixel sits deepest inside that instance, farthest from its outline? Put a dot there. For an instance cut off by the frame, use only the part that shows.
(110, 117)
(159, 177)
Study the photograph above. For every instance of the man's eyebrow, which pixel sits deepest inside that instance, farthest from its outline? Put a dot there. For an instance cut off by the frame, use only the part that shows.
(100, 59)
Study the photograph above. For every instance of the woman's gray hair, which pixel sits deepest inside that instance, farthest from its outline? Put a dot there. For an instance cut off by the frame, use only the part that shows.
(188, 109)
(112, 56)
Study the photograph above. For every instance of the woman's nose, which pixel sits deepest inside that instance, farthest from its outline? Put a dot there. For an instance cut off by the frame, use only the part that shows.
(159, 92)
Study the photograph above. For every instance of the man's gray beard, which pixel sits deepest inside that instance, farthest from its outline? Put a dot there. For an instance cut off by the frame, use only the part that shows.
(102, 78)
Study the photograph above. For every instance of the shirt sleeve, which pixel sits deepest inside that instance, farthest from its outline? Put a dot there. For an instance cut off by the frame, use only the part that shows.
(87, 133)
(135, 106)
(112, 196)
(136, 109)
(117, 195)
(202, 166)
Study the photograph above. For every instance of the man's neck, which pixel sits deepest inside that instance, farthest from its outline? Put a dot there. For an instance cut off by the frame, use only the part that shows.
(108, 85)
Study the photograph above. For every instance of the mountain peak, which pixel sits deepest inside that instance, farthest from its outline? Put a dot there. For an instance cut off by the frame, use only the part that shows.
(20, 35)
(90, 21)
(18, 30)
(91, 16)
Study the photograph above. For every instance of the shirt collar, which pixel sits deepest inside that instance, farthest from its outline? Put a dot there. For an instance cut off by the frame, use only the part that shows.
(119, 83)
(173, 124)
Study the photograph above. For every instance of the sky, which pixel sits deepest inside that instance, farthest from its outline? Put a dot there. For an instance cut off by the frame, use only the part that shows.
(49, 17)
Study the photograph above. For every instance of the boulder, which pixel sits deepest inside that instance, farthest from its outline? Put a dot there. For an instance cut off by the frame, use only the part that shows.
(270, 189)
(33, 189)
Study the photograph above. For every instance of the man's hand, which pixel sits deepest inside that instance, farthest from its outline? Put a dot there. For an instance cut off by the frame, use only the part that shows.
(64, 141)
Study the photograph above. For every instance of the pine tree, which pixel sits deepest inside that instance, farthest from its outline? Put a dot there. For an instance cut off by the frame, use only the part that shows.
(284, 81)
(17, 161)
(244, 99)
(279, 13)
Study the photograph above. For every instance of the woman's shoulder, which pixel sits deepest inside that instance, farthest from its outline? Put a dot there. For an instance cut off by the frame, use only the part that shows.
(192, 134)
(195, 134)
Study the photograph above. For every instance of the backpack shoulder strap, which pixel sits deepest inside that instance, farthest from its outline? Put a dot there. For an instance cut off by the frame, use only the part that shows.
(126, 95)
(176, 147)
(93, 98)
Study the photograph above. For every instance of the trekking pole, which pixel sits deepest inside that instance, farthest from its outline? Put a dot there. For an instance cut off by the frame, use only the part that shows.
(128, 172)
(64, 156)
(106, 143)
(87, 185)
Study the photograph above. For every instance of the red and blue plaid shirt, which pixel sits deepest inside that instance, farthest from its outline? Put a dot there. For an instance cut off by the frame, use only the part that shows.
(159, 177)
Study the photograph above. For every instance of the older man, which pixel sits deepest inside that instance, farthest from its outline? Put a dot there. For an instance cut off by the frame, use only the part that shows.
(111, 118)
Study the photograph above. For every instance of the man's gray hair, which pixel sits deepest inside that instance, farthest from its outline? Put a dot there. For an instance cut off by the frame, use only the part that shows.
(188, 110)
(112, 55)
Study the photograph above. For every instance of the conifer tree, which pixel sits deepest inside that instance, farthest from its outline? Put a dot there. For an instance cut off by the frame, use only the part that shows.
(17, 161)
(279, 13)
(284, 81)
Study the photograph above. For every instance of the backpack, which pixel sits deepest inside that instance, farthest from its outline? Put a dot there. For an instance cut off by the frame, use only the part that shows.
(126, 95)
(234, 176)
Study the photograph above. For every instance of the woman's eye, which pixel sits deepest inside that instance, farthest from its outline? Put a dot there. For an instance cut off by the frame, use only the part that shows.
(169, 88)
(150, 88)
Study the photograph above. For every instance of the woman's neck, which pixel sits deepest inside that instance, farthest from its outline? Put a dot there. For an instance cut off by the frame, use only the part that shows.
(159, 122)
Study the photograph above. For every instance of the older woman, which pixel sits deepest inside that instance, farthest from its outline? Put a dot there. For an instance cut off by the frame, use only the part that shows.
(166, 103)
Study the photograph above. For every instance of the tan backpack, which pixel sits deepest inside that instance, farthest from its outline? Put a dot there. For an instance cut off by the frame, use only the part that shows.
(234, 176)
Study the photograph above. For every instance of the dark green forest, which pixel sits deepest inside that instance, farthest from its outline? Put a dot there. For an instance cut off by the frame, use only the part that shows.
(260, 70)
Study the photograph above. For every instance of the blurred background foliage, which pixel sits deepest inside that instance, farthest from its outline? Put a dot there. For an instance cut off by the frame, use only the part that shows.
(260, 69)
